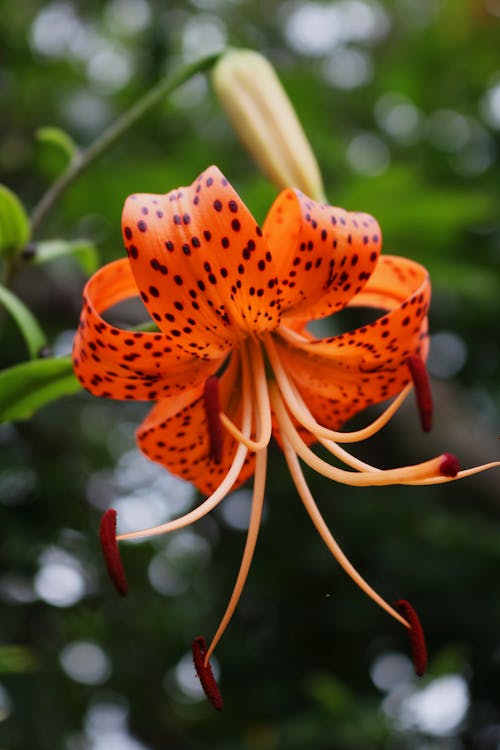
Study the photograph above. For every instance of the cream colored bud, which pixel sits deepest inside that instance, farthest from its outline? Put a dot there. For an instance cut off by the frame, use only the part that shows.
(257, 105)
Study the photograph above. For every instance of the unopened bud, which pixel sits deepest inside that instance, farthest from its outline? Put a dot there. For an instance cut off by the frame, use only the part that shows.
(261, 112)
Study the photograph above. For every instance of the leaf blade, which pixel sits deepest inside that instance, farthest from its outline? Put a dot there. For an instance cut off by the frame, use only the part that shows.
(27, 387)
(32, 333)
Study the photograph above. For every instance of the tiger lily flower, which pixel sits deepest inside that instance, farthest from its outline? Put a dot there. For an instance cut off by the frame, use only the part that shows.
(234, 364)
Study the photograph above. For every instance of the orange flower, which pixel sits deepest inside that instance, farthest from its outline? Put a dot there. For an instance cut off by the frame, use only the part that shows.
(233, 362)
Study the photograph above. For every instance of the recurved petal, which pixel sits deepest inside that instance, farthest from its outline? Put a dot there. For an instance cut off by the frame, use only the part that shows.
(121, 364)
(201, 265)
(324, 255)
(176, 434)
(394, 283)
(368, 365)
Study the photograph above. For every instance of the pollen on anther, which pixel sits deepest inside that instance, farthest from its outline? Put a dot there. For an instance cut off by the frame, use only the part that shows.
(416, 635)
(205, 674)
(449, 466)
(107, 534)
(421, 382)
(212, 410)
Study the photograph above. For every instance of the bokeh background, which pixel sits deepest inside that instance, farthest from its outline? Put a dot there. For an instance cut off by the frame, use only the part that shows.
(401, 101)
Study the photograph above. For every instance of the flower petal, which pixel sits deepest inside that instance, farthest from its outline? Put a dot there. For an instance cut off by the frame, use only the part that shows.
(122, 364)
(368, 365)
(324, 255)
(176, 434)
(394, 280)
(201, 265)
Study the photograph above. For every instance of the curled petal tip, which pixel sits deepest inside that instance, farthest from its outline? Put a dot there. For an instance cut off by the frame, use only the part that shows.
(107, 534)
(205, 674)
(417, 637)
(449, 466)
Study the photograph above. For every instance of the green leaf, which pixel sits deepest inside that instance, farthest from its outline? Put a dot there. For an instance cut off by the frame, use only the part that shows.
(59, 138)
(16, 659)
(83, 251)
(26, 387)
(14, 222)
(28, 324)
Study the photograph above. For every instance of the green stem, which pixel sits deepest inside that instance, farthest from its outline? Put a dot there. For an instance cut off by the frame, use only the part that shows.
(113, 133)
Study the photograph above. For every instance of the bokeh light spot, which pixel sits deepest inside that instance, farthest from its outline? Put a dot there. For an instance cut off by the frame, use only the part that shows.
(368, 155)
(85, 662)
(448, 354)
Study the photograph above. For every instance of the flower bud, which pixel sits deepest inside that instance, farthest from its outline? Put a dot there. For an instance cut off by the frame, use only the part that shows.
(257, 105)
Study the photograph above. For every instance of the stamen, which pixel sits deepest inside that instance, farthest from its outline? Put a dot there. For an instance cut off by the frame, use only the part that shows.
(248, 552)
(449, 465)
(254, 388)
(403, 475)
(215, 498)
(461, 474)
(205, 674)
(299, 409)
(263, 406)
(420, 377)
(107, 534)
(416, 634)
(253, 445)
(212, 409)
(206, 506)
(325, 533)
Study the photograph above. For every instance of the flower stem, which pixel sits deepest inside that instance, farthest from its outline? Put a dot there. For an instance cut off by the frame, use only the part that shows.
(87, 156)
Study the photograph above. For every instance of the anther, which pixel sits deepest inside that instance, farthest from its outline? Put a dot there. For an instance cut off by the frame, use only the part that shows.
(420, 377)
(212, 409)
(107, 534)
(205, 674)
(449, 466)
(416, 634)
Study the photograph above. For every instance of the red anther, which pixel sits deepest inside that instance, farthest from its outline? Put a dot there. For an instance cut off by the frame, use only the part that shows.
(416, 634)
(420, 377)
(107, 533)
(212, 409)
(449, 466)
(205, 674)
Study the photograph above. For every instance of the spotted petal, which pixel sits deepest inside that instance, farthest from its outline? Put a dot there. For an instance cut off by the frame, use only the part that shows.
(176, 434)
(121, 364)
(368, 365)
(201, 265)
(324, 255)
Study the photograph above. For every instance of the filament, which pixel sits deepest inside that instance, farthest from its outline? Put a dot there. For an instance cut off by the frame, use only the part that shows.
(378, 477)
(300, 411)
(255, 380)
(219, 494)
(253, 531)
(326, 535)
(460, 475)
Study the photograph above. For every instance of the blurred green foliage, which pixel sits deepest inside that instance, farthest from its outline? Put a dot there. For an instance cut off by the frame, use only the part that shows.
(400, 100)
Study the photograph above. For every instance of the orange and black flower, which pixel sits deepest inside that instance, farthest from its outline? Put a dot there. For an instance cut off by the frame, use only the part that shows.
(233, 362)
